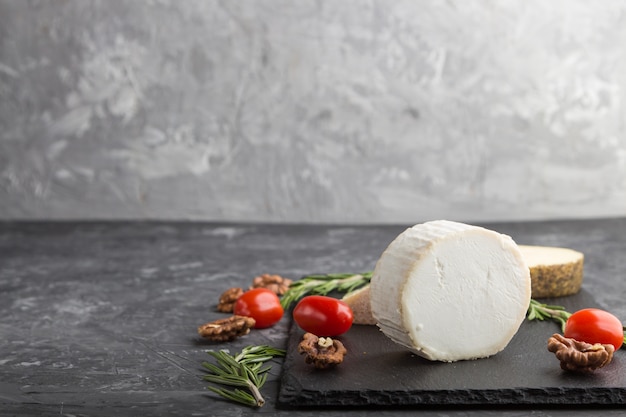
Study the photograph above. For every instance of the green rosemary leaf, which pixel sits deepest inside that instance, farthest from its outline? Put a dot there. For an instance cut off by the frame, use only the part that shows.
(215, 369)
(250, 374)
(235, 395)
(252, 358)
(264, 370)
(243, 370)
(225, 359)
(226, 380)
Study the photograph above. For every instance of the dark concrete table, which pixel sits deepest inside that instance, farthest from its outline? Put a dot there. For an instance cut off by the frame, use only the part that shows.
(100, 318)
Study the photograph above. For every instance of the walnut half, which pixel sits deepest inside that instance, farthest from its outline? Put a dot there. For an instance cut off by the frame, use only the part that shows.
(228, 299)
(272, 282)
(322, 352)
(580, 356)
(225, 330)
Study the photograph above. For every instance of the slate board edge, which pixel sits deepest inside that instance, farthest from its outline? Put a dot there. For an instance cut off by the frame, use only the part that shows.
(495, 398)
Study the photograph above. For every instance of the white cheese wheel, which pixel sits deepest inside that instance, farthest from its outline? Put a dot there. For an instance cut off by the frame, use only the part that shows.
(450, 291)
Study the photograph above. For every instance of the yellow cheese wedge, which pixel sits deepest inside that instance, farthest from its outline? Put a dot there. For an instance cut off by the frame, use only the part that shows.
(554, 272)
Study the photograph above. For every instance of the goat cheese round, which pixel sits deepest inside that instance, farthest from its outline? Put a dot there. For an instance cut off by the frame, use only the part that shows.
(450, 291)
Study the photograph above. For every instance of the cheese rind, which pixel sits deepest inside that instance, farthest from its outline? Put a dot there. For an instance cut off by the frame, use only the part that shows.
(359, 302)
(450, 291)
(554, 271)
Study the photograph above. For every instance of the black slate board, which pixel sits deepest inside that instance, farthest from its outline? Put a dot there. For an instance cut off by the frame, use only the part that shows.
(378, 372)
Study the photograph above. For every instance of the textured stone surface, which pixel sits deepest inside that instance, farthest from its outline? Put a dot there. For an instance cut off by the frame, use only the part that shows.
(101, 318)
(312, 111)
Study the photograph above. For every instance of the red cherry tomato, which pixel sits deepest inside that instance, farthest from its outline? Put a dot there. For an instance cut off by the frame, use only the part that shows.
(262, 305)
(323, 316)
(593, 325)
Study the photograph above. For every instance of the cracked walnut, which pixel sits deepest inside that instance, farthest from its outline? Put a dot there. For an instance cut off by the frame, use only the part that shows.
(322, 352)
(228, 299)
(227, 329)
(275, 283)
(580, 356)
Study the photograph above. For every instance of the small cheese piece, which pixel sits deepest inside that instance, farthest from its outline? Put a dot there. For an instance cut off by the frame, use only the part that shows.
(359, 302)
(450, 291)
(554, 272)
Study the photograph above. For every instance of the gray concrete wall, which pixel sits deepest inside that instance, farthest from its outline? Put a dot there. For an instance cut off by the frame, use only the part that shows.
(312, 111)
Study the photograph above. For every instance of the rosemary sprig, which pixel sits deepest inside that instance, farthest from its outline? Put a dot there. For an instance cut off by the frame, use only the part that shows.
(322, 284)
(243, 370)
(539, 311)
